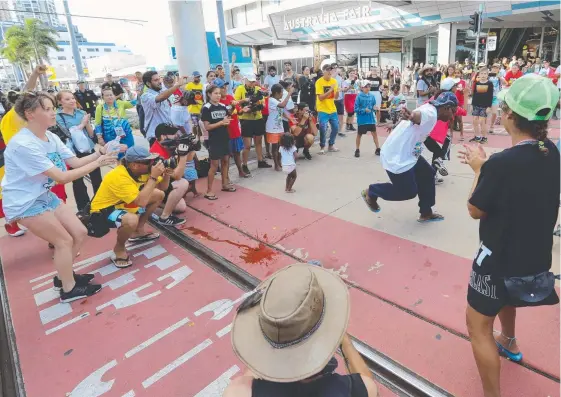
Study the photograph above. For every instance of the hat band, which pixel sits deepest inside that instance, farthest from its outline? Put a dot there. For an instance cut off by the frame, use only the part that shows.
(300, 339)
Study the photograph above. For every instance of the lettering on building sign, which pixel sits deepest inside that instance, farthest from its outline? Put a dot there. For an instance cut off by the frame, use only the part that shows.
(325, 18)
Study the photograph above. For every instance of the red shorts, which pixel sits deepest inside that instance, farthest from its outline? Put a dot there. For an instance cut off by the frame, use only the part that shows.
(60, 192)
(349, 101)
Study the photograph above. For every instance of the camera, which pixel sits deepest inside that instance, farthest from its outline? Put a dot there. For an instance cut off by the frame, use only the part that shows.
(190, 140)
(254, 98)
(169, 163)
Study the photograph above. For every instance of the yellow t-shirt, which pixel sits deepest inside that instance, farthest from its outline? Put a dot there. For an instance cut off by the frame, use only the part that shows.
(328, 104)
(10, 125)
(119, 189)
(198, 88)
(240, 94)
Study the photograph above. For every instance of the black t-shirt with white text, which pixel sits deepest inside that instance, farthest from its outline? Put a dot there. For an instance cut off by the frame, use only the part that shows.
(214, 114)
(375, 84)
(518, 189)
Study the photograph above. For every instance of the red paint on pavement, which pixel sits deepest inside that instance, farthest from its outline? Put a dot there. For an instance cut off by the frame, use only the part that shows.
(55, 362)
(430, 282)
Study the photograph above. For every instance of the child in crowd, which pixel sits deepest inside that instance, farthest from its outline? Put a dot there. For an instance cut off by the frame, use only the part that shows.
(498, 82)
(385, 105)
(288, 160)
(274, 126)
(461, 95)
(365, 107)
(482, 100)
(397, 102)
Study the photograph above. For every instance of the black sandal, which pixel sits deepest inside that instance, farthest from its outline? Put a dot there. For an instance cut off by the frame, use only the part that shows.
(211, 198)
(127, 262)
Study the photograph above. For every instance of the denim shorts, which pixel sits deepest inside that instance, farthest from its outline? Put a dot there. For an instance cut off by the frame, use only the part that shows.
(48, 201)
(479, 112)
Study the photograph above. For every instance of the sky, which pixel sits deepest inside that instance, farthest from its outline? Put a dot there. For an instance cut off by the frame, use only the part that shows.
(148, 39)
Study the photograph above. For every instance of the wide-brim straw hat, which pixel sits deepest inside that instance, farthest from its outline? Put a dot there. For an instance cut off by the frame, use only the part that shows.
(291, 328)
(425, 68)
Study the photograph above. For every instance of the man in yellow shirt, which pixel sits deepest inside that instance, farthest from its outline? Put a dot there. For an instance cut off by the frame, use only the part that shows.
(326, 91)
(196, 87)
(126, 199)
(251, 121)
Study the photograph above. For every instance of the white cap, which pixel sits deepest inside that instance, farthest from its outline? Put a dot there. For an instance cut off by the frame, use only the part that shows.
(447, 84)
(364, 83)
(251, 78)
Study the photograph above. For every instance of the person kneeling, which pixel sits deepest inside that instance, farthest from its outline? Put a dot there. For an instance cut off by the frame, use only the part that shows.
(176, 151)
(128, 196)
(305, 129)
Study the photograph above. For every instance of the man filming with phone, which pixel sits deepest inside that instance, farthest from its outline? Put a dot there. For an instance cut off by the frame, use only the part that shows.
(128, 196)
(304, 129)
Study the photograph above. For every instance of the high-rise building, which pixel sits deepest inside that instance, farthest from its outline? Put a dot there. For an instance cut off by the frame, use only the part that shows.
(44, 10)
(5, 14)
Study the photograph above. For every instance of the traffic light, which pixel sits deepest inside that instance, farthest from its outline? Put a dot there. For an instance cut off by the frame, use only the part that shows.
(482, 43)
(474, 22)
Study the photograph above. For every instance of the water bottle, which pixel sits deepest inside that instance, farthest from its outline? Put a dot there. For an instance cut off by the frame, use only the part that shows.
(114, 145)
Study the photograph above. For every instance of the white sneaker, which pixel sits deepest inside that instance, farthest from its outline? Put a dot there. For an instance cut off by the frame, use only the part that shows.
(438, 180)
(322, 151)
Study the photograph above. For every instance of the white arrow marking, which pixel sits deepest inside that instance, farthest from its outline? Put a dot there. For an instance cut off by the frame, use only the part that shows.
(178, 275)
(93, 386)
(121, 280)
(152, 252)
(164, 263)
(217, 387)
(129, 299)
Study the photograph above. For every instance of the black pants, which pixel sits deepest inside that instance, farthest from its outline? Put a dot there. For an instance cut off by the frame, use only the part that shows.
(437, 151)
(140, 111)
(79, 187)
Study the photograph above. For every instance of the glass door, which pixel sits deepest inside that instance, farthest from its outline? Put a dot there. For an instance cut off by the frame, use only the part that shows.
(367, 61)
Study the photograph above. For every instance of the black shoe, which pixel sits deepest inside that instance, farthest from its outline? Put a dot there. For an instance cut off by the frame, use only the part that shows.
(171, 220)
(79, 292)
(357, 153)
(342, 135)
(483, 140)
(352, 127)
(245, 169)
(307, 154)
(263, 164)
(349, 127)
(377, 152)
(81, 279)
(475, 139)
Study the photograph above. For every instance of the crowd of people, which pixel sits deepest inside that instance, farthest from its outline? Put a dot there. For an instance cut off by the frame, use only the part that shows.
(54, 140)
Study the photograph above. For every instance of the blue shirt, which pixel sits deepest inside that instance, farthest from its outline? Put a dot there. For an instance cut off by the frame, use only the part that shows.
(155, 113)
(365, 101)
(72, 120)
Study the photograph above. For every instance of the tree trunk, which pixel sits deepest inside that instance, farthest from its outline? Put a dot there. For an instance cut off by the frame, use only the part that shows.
(42, 77)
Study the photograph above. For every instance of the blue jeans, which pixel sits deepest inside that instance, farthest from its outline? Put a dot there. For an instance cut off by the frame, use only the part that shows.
(332, 119)
(419, 180)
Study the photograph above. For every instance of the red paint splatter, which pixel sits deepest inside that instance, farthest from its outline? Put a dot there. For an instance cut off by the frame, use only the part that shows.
(250, 255)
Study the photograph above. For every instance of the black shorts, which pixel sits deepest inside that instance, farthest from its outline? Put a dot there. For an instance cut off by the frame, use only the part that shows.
(365, 128)
(350, 114)
(219, 144)
(487, 295)
(251, 128)
(340, 107)
(286, 126)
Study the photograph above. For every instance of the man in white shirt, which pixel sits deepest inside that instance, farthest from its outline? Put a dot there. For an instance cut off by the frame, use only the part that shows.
(410, 174)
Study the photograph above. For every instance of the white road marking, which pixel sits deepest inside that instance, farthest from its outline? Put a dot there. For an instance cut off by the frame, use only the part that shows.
(221, 307)
(54, 312)
(178, 275)
(121, 280)
(46, 296)
(67, 323)
(106, 270)
(217, 387)
(152, 252)
(41, 285)
(164, 263)
(224, 331)
(129, 394)
(129, 299)
(176, 363)
(93, 386)
(157, 337)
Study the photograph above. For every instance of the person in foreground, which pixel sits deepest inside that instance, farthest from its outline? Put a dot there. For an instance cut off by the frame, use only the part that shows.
(511, 267)
(127, 198)
(296, 356)
(410, 174)
(36, 160)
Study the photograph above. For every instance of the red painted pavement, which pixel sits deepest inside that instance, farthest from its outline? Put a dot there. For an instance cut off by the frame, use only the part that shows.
(428, 281)
(56, 364)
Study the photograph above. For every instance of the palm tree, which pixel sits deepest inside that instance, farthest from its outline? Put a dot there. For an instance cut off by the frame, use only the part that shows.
(18, 53)
(33, 40)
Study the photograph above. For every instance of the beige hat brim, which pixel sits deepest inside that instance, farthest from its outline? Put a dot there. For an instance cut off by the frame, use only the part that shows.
(302, 360)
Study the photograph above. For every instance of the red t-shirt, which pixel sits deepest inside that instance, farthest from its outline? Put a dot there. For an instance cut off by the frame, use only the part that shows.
(160, 150)
(460, 90)
(175, 97)
(234, 128)
(511, 77)
(265, 111)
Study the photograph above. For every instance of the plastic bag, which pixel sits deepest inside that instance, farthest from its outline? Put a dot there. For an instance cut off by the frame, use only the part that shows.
(79, 139)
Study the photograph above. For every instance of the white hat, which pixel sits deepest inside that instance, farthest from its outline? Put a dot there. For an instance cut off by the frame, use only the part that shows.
(364, 83)
(251, 78)
(447, 84)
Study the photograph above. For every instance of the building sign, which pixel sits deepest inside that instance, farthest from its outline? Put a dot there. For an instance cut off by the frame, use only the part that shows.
(492, 41)
(325, 18)
(390, 45)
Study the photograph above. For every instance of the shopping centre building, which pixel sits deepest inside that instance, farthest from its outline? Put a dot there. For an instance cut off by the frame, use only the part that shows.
(399, 33)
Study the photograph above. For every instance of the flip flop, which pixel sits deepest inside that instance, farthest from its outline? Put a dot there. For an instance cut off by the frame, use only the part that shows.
(127, 261)
(146, 237)
(370, 206)
(211, 198)
(435, 218)
(230, 189)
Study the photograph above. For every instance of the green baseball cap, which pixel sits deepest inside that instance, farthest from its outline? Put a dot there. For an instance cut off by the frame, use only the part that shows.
(531, 94)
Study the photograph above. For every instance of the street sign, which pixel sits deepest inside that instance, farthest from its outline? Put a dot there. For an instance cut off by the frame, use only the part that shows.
(492, 42)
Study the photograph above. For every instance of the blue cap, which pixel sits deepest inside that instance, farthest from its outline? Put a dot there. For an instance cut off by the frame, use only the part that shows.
(196, 74)
(220, 83)
(139, 153)
(445, 99)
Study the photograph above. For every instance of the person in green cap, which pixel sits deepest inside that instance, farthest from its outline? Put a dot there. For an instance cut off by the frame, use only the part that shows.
(515, 195)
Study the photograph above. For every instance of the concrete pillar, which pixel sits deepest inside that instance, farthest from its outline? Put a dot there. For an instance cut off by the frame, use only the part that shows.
(188, 27)
(444, 31)
(556, 49)
(540, 51)
(453, 40)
